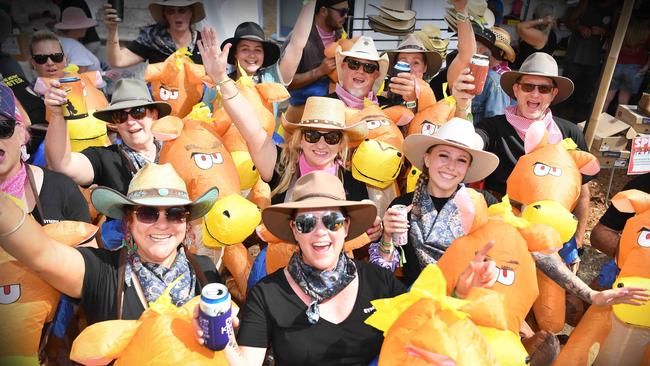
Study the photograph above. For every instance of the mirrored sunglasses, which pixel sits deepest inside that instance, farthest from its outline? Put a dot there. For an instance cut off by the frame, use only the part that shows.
(306, 223)
(355, 64)
(122, 115)
(331, 137)
(7, 127)
(150, 215)
(41, 59)
(528, 88)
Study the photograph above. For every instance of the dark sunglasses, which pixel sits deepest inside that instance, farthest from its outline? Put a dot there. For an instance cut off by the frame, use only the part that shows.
(543, 89)
(121, 116)
(41, 59)
(306, 223)
(342, 12)
(331, 137)
(150, 215)
(7, 127)
(355, 64)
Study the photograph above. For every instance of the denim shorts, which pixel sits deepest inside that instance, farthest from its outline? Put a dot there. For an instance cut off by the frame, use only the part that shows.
(626, 77)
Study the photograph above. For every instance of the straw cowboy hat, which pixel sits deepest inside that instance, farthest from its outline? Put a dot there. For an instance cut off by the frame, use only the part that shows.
(413, 44)
(153, 185)
(429, 35)
(74, 18)
(318, 189)
(327, 114)
(395, 9)
(486, 37)
(253, 32)
(538, 64)
(458, 133)
(364, 49)
(503, 43)
(130, 93)
(156, 9)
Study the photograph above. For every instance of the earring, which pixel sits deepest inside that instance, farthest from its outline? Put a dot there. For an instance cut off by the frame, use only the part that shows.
(129, 243)
(24, 156)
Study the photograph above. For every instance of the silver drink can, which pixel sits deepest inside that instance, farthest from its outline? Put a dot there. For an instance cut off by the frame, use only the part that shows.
(215, 316)
(400, 239)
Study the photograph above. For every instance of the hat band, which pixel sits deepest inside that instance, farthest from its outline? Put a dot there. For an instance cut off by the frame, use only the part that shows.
(321, 121)
(319, 195)
(412, 46)
(157, 193)
(130, 100)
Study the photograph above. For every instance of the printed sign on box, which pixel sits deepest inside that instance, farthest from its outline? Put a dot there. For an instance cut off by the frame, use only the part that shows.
(640, 156)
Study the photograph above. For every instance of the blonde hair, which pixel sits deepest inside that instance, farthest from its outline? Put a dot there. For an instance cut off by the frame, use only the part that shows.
(637, 34)
(43, 35)
(291, 154)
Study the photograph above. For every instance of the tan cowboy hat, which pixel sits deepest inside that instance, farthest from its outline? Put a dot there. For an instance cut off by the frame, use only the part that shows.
(130, 93)
(538, 64)
(458, 133)
(364, 49)
(393, 24)
(503, 43)
(318, 189)
(74, 18)
(395, 9)
(413, 44)
(153, 185)
(156, 9)
(385, 29)
(328, 114)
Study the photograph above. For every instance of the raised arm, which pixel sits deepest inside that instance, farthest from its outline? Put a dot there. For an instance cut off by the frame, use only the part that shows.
(260, 145)
(23, 238)
(293, 52)
(117, 56)
(531, 34)
(58, 153)
(466, 44)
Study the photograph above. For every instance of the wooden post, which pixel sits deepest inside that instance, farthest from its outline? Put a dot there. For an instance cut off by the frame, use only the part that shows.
(603, 88)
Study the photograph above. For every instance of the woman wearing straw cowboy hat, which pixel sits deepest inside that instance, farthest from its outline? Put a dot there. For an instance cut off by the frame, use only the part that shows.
(174, 29)
(120, 284)
(451, 157)
(73, 26)
(312, 312)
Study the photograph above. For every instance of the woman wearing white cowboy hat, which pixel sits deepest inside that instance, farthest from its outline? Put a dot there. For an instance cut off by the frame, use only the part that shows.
(312, 312)
(173, 30)
(452, 156)
(121, 284)
(72, 27)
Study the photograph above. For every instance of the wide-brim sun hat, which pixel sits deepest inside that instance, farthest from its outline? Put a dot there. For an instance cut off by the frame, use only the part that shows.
(413, 44)
(364, 49)
(156, 9)
(154, 185)
(459, 133)
(323, 113)
(74, 18)
(253, 32)
(318, 189)
(131, 93)
(539, 64)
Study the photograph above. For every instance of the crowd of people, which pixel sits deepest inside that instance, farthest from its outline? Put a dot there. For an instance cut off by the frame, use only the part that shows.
(313, 310)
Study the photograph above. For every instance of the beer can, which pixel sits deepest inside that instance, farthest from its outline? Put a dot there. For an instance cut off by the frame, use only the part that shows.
(478, 68)
(215, 316)
(75, 108)
(400, 239)
(400, 66)
(118, 5)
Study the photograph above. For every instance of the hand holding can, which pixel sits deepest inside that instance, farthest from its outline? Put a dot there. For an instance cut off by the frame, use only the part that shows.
(401, 238)
(215, 316)
(478, 68)
(75, 108)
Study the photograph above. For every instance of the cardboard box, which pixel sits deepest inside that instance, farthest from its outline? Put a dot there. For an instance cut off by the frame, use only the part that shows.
(644, 104)
(611, 134)
(609, 159)
(630, 115)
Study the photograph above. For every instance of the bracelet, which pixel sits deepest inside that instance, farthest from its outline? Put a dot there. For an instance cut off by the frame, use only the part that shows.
(386, 251)
(229, 98)
(20, 223)
(222, 82)
(461, 17)
(386, 244)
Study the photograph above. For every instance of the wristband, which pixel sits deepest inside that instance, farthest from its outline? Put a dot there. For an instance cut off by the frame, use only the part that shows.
(461, 17)
(386, 251)
(386, 244)
(18, 226)
(229, 98)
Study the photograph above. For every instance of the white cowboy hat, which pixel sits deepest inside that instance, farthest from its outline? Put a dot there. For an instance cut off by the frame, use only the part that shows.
(364, 49)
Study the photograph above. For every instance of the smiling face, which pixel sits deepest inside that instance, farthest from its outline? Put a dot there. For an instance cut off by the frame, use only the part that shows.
(156, 242)
(178, 17)
(533, 105)
(10, 152)
(416, 61)
(49, 69)
(136, 133)
(321, 247)
(320, 154)
(358, 82)
(250, 55)
(447, 167)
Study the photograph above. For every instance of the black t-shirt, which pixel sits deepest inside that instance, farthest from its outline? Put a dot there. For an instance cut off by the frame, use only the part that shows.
(155, 55)
(60, 200)
(526, 50)
(615, 219)
(13, 77)
(99, 292)
(275, 316)
(501, 139)
(109, 167)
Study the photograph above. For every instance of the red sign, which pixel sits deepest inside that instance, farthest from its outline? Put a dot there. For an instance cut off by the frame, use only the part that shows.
(640, 156)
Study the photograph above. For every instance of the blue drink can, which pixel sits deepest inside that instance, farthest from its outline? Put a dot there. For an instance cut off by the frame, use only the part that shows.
(214, 316)
(400, 66)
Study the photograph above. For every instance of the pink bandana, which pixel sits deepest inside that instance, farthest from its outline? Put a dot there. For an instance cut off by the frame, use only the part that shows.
(521, 124)
(352, 101)
(15, 185)
(326, 37)
(306, 168)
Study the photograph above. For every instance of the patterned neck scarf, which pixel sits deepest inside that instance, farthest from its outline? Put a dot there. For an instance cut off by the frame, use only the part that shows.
(352, 101)
(521, 124)
(138, 160)
(321, 285)
(15, 185)
(158, 37)
(154, 278)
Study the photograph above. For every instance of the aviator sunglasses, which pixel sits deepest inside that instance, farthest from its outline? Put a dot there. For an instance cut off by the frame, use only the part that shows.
(150, 215)
(355, 64)
(331, 137)
(342, 12)
(306, 223)
(41, 59)
(7, 127)
(121, 116)
(543, 89)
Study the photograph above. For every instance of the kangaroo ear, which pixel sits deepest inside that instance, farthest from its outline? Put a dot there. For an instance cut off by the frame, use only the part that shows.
(158, 71)
(586, 162)
(472, 209)
(632, 200)
(536, 136)
(103, 342)
(167, 128)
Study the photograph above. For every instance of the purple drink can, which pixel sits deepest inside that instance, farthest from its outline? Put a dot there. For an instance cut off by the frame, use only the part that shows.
(400, 239)
(214, 316)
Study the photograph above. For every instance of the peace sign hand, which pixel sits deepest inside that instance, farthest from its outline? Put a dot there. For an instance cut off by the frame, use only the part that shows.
(479, 273)
(215, 60)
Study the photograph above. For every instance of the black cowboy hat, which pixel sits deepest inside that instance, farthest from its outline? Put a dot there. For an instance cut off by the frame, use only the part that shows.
(252, 31)
(487, 37)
